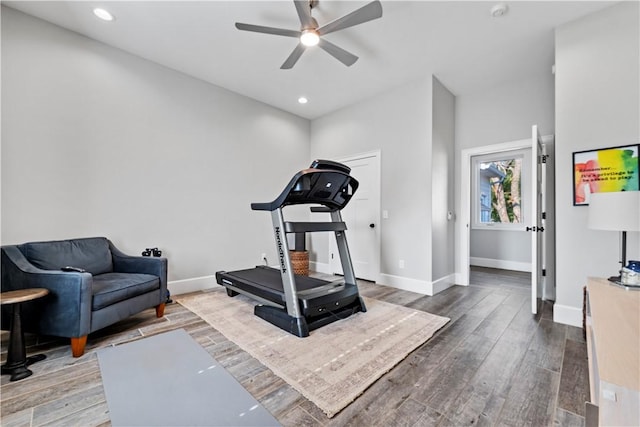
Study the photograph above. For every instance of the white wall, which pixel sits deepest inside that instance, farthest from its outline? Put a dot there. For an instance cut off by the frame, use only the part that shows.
(597, 106)
(398, 123)
(442, 200)
(96, 141)
(502, 114)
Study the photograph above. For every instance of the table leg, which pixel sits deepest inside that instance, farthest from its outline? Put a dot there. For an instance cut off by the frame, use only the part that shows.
(17, 360)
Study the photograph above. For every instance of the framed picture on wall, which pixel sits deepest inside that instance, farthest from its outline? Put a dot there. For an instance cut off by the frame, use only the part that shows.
(605, 170)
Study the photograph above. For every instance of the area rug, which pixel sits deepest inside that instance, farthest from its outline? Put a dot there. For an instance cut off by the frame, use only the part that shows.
(170, 380)
(337, 362)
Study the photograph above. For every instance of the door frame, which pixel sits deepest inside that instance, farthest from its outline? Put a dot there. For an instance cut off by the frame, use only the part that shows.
(376, 156)
(463, 226)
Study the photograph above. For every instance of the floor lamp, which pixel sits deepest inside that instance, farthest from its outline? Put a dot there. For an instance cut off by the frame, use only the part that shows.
(618, 211)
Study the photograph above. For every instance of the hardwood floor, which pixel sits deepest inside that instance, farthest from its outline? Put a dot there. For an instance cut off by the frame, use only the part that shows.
(494, 364)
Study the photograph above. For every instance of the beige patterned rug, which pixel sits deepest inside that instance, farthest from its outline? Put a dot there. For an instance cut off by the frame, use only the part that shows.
(337, 362)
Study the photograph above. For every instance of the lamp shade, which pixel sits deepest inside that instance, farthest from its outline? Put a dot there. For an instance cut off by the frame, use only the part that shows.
(618, 211)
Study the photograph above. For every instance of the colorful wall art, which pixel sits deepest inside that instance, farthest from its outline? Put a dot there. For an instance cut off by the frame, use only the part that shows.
(605, 170)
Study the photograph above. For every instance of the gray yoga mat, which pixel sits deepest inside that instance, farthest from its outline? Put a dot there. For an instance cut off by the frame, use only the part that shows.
(170, 380)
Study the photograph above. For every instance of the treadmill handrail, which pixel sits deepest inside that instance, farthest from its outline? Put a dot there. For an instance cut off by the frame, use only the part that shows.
(329, 186)
(303, 227)
(320, 209)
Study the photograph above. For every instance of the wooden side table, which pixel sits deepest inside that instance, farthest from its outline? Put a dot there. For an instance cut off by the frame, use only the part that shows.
(17, 360)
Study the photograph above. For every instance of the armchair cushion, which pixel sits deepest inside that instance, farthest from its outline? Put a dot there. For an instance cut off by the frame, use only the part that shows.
(110, 288)
(91, 254)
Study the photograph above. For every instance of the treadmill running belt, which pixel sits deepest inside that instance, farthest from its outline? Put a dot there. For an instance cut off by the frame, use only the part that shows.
(271, 278)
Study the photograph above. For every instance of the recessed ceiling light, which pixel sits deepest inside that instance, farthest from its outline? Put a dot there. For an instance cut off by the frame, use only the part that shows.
(103, 14)
(499, 10)
(302, 100)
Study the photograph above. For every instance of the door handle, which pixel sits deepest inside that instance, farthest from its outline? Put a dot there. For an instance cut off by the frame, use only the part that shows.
(531, 228)
(372, 225)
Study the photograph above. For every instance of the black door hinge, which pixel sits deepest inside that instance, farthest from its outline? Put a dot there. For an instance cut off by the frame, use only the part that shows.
(544, 272)
(544, 215)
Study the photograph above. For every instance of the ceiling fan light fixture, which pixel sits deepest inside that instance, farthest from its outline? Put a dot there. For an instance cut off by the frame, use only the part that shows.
(309, 38)
(103, 14)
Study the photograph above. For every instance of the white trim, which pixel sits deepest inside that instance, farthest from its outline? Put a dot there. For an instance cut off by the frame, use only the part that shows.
(405, 283)
(567, 315)
(399, 282)
(418, 286)
(443, 283)
(500, 263)
(184, 286)
(358, 156)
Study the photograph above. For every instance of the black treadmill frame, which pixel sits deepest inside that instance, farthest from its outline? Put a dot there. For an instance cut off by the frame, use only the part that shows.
(329, 184)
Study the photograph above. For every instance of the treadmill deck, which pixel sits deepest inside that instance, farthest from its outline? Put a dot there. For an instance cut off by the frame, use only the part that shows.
(316, 296)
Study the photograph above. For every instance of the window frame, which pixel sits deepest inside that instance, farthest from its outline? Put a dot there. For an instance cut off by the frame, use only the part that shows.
(476, 191)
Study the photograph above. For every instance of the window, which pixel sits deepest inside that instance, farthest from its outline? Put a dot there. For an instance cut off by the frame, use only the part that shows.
(498, 190)
(485, 208)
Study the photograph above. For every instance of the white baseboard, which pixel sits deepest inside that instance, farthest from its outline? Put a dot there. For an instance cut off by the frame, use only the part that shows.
(567, 315)
(399, 282)
(443, 283)
(178, 287)
(501, 264)
(419, 286)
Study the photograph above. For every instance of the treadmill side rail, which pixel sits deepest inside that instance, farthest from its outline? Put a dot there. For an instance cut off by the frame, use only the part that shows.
(282, 249)
(343, 251)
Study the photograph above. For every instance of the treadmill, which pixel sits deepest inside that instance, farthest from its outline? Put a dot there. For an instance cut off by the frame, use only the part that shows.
(295, 303)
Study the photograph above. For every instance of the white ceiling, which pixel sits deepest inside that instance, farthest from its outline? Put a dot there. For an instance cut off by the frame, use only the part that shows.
(457, 41)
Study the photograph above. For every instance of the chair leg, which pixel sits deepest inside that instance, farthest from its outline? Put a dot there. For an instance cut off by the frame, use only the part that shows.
(160, 310)
(77, 345)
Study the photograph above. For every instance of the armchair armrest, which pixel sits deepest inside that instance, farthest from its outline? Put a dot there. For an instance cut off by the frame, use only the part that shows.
(66, 311)
(123, 263)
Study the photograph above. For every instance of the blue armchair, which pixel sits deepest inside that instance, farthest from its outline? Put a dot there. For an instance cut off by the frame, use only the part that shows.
(105, 286)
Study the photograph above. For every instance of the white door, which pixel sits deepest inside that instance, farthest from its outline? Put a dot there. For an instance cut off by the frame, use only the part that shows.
(362, 216)
(535, 213)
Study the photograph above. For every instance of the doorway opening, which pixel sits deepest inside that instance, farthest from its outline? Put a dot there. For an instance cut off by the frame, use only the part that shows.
(531, 229)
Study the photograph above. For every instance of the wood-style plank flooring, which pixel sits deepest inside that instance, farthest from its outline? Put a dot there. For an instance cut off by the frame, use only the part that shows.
(494, 364)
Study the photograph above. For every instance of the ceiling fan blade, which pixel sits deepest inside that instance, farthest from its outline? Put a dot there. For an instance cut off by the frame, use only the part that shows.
(267, 30)
(304, 13)
(339, 53)
(366, 13)
(293, 58)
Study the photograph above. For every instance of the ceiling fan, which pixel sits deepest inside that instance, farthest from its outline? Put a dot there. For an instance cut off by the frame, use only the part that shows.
(311, 34)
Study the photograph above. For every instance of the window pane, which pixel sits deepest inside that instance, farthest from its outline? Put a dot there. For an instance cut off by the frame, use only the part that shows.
(500, 191)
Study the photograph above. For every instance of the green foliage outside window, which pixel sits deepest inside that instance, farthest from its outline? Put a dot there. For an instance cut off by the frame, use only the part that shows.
(506, 191)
